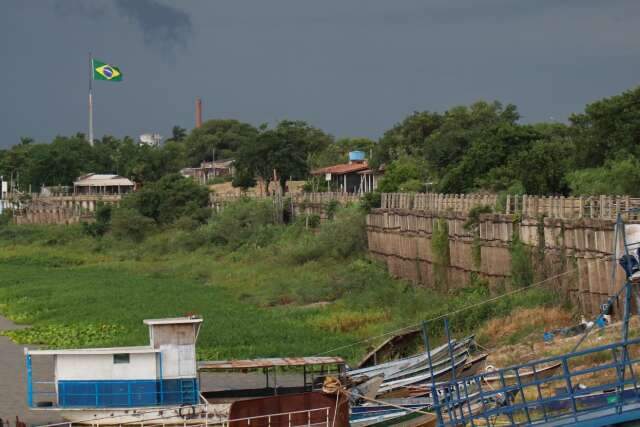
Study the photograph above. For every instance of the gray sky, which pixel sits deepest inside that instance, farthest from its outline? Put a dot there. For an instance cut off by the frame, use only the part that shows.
(351, 67)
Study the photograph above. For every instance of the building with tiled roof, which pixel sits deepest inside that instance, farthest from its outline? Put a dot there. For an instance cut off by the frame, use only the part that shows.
(352, 177)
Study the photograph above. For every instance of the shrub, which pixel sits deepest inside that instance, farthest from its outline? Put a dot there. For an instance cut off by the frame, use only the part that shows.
(371, 200)
(412, 186)
(521, 266)
(243, 179)
(241, 222)
(342, 237)
(5, 217)
(330, 208)
(102, 222)
(473, 218)
(219, 180)
(170, 198)
(129, 224)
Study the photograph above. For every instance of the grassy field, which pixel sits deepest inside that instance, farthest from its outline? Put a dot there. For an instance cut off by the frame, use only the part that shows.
(279, 291)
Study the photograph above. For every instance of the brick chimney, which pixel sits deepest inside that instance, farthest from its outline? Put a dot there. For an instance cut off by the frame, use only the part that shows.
(198, 112)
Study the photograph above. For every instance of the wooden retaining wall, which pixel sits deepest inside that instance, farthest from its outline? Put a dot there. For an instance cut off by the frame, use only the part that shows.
(574, 254)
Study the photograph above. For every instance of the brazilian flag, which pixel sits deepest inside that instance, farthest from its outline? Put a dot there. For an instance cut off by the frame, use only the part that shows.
(104, 71)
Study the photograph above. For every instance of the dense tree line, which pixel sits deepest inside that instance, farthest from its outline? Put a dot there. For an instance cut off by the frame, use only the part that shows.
(481, 147)
(484, 147)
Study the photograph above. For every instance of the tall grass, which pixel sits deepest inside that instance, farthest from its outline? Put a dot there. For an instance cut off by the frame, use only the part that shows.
(263, 288)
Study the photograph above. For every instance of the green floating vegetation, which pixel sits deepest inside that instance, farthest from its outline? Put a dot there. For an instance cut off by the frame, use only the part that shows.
(266, 290)
(67, 336)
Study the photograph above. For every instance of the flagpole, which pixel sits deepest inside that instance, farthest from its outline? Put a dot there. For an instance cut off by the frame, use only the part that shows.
(90, 99)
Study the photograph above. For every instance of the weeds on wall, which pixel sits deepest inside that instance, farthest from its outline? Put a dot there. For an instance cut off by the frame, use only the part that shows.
(473, 224)
(441, 253)
(521, 265)
(331, 208)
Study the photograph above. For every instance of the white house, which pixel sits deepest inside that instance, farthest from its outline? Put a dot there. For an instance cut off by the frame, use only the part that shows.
(104, 184)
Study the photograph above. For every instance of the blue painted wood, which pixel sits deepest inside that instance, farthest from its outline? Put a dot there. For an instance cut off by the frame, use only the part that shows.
(127, 393)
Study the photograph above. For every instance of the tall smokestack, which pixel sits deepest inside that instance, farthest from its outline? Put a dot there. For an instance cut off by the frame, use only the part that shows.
(198, 112)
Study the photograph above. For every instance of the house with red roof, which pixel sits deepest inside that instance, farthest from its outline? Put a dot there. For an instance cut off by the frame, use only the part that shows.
(353, 177)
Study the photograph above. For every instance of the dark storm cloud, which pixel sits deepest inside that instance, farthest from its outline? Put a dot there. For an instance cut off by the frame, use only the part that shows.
(93, 10)
(161, 24)
(351, 67)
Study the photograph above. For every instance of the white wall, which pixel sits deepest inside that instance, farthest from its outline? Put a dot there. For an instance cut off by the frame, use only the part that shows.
(178, 361)
(101, 367)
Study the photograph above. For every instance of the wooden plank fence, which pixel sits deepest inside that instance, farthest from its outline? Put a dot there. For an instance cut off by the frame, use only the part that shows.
(602, 207)
(296, 198)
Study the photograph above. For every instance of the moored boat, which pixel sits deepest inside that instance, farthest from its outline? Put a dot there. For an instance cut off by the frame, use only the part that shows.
(160, 384)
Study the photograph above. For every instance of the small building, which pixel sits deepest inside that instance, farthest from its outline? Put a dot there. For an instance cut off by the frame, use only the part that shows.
(162, 373)
(352, 177)
(210, 170)
(102, 184)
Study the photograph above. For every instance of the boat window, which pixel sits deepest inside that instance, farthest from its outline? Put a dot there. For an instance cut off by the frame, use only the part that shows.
(121, 358)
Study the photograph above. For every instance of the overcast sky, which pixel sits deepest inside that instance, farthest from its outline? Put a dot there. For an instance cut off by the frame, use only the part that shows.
(351, 67)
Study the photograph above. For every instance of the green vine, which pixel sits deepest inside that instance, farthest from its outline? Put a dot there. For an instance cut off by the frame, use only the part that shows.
(541, 239)
(473, 224)
(521, 265)
(441, 253)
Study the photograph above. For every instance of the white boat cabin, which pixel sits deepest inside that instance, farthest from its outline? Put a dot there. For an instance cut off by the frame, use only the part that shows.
(162, 373)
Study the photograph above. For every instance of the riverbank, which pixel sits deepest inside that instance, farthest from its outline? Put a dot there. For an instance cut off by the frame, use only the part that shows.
(257, 301)
(13, 388)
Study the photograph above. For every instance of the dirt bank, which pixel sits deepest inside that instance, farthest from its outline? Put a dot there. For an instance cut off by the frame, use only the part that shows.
(13, 375)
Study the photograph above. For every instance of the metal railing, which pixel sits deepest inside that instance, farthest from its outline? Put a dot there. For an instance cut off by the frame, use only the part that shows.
(289, 416)
(523, 395)
(291, 419)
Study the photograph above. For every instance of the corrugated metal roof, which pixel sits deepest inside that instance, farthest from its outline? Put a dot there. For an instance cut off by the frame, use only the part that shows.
(89, 351)
(342, 169)
(96, 179)
(268, 363)
(172, 320)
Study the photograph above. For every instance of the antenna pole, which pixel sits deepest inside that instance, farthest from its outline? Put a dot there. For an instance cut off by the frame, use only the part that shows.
(90, 99)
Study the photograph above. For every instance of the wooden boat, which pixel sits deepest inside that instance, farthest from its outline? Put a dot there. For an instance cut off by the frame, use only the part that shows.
(424, 367)
(470, 368)
(398, 412)
(398, 388)
(393, 416)
(390, 368)
(412, 419)
(393, 345)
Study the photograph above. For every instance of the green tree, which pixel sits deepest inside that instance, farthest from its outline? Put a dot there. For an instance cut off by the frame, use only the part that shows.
(102, 222)
(170, 198)
(542, 168)
(460, 128)
(224, 137)
(608, 129)
(285, 150)
(619, 177)
(404, 174)
(177, 134)
(406, 138)
(337, 152)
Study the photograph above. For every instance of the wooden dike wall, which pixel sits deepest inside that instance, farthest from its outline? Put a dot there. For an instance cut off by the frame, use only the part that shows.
(573, 255)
